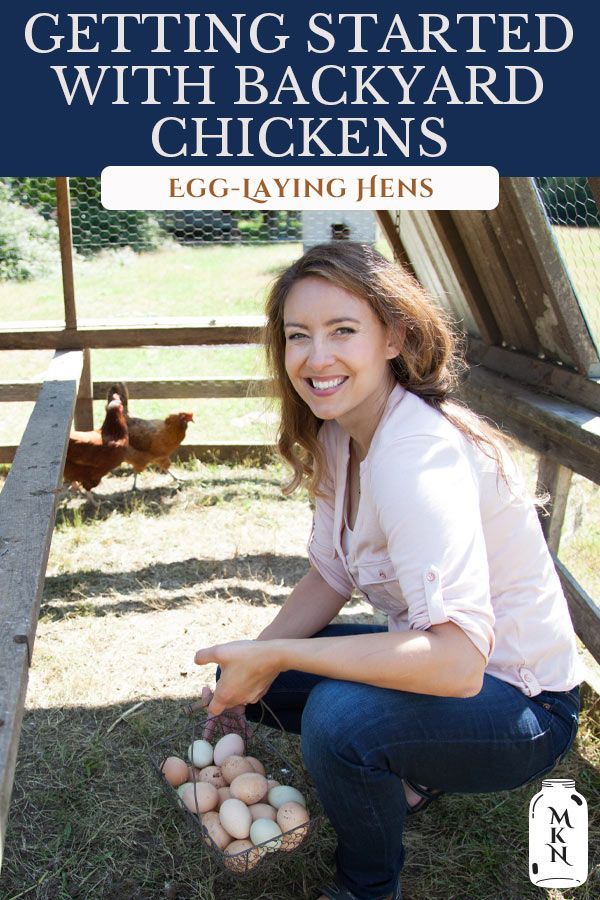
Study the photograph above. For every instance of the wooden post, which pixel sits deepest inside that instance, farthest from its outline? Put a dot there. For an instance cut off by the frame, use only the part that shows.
(384, 217)
(594, 184)
(556, 480)
(84, 408)
(63, 211)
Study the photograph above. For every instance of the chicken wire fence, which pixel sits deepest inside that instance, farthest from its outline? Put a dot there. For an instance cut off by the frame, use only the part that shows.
(575, 221)
(28, 207)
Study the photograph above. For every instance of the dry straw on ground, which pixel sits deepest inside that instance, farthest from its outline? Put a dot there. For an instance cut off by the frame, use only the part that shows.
(133, 589)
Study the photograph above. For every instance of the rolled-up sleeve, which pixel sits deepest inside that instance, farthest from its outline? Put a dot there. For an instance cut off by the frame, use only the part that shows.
(427, 501)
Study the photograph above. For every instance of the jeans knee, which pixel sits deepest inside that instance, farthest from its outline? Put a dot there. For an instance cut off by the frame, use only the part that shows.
(328, 723)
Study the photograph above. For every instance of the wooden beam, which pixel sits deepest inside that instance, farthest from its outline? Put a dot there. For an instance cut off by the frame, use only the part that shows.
(562, 329)
(199, 388)
(392, 235)
(539, 373)
(462, 266)
(554, 480)
(584, 612)
(226, 451)
(84, 407)
(594, 184)
(65, 234)
(224, 386)
(567, 433)
(27, 510)
(134, 333)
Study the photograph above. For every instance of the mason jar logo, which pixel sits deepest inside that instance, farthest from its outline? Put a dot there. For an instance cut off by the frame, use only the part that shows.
(558, 835)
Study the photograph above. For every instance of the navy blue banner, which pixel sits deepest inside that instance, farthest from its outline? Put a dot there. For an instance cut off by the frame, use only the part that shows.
(512, 85)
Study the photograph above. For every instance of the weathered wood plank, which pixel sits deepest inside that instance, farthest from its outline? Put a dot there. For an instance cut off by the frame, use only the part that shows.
(539, 373)
(496, 279)
(133, 333)
(84, 406)
(562, 304)
(27, 510)
(462, 266)
(594, 184)
(227, 451)
(567, 433)
(555, 480)
(167, 388)
(65, 235)
(584, 612)
(199, 388)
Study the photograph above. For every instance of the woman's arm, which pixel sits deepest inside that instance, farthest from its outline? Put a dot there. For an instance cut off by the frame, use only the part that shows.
(441, 661)
(309, 608)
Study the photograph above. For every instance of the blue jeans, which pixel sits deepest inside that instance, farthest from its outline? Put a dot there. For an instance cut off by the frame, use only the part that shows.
(359, 741)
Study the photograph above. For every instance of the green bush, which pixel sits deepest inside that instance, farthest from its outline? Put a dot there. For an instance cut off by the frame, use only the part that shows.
(29, 245)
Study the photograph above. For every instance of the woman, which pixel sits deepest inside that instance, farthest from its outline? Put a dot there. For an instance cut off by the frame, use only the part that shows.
(472, 687)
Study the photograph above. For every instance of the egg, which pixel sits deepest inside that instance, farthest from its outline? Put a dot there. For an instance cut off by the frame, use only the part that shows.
(256, 765)
(216, 832)
(283, 793)
(266, 830)
(182, 787)
(224, 794)
(233, 766)
(291, 816)
(262, 811)
(212, 775)
(230, 745)
(235, 818)
(200, 797)
(238, 859)
(193, 773)
(175, 771)
(271, 783)
(200, 753)
(249, 787)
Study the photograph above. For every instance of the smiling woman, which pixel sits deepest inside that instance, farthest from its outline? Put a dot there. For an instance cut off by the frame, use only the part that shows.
(472, 687)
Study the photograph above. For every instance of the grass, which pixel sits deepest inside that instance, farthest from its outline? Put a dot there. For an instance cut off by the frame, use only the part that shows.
(133, 588)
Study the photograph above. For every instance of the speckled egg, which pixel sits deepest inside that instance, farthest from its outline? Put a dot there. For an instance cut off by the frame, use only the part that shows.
(229, 745)
(249, 787)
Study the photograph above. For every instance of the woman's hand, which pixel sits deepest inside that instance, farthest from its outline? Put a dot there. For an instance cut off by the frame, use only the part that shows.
(248, 668)
(231, 721)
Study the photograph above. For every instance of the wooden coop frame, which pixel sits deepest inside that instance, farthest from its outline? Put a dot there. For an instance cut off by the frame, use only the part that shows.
(534, 370)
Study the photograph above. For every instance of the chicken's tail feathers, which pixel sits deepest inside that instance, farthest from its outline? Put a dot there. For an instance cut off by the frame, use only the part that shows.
(120, 388)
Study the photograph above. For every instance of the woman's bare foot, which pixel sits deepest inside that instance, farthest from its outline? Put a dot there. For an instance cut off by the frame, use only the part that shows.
(412, 798)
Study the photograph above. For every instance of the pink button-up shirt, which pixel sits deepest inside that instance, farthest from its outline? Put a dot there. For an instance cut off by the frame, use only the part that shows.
(441, 537)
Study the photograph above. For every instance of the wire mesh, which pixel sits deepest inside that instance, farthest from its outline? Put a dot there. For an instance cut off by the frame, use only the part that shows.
(575, 220)
(282, 765)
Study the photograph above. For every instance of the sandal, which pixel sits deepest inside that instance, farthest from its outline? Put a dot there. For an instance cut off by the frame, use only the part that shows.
(427, 795)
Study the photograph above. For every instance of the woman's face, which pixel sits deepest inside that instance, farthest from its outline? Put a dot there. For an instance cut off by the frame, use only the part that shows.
(336, 352)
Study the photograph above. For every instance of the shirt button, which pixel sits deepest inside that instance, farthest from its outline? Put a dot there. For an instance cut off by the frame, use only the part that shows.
(430, 576)
(527, 677)
(382, 574)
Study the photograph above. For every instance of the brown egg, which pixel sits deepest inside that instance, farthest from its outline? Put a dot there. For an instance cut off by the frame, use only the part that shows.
(216, 832)
(193, 773)
(200, 797)
(249, 787)
(256, 765)
(175, 770)
(246, 861)
(224, 794)
(271, 783)
(234, 766)
(263, 811)
(212, 775)
(290, 816)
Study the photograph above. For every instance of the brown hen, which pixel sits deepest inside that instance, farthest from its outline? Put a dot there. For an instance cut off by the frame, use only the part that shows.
(93, 454)
(151, 441)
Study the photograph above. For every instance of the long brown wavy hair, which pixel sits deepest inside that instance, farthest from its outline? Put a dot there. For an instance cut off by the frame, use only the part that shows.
(429, 364)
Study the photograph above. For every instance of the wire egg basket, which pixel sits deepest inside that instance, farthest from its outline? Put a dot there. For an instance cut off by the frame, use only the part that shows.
(283, 767)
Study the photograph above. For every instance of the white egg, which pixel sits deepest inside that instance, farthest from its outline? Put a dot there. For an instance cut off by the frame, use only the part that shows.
(284, 793)
(200, 754)
(230, 745)
(266, 830)
(235, 818)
